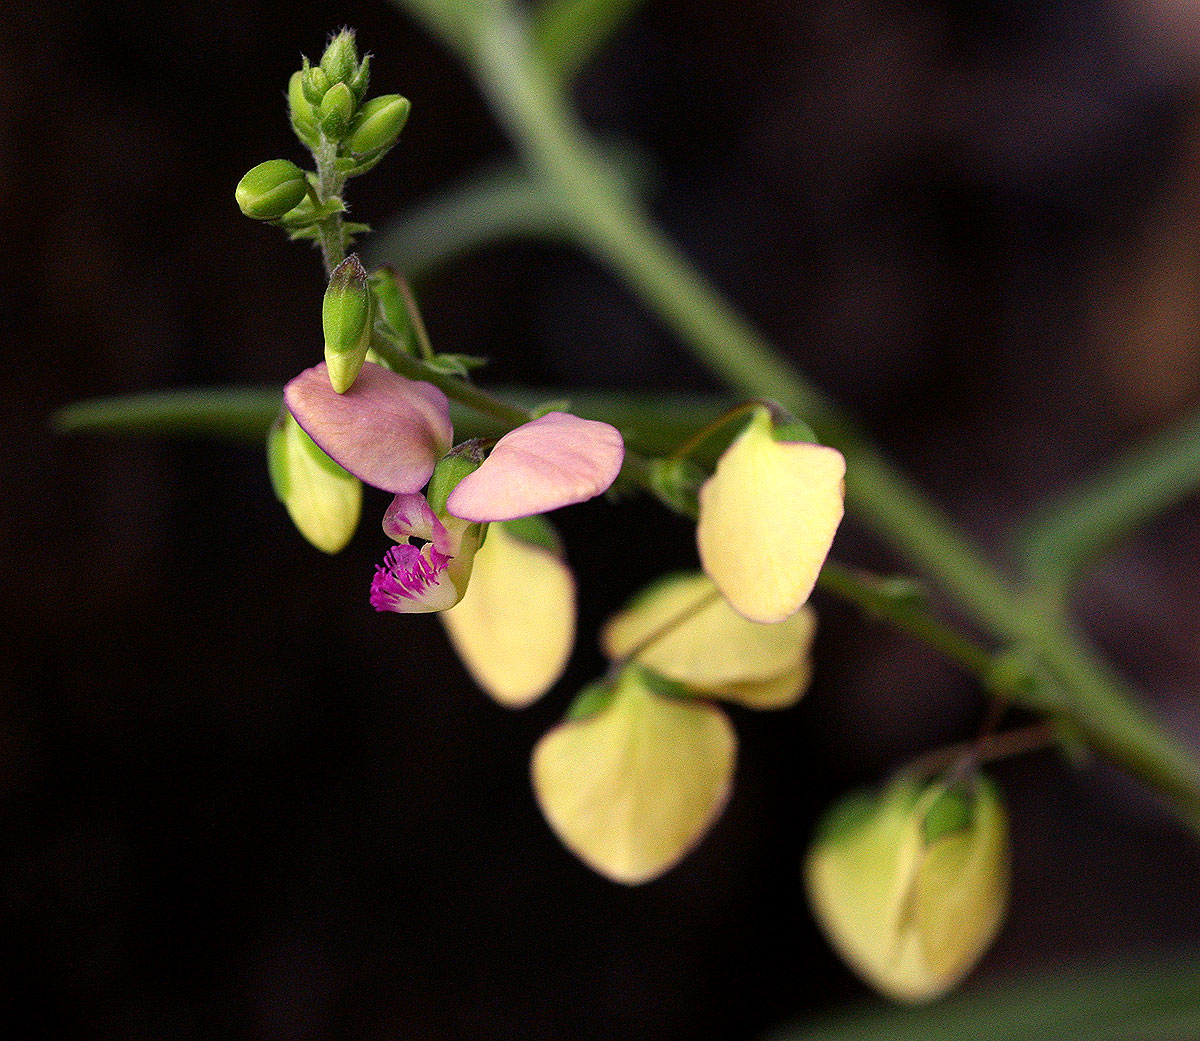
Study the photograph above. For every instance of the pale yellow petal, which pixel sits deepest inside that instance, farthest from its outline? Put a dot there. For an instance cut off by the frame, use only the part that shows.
(768, 695)
(767, 519)
(323, 500)
(700, 641)
(514, 627)
(631, 789)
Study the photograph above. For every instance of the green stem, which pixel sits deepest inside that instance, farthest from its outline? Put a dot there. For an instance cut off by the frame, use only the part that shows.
(610, 224)
(332, 232)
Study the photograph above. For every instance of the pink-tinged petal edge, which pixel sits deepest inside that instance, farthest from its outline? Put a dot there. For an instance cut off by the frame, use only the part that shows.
(386, 430)
(411, 515)
(553, 461)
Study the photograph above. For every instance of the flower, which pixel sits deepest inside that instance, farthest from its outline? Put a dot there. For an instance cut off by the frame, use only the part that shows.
(910, 884)
(643, 765)
(515, 626)
(767, 519)
(393, 432)
(692, 636)
(635, 776)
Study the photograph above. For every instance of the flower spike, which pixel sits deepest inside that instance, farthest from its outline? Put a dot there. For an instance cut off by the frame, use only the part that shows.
(553, 461)
(386, 430)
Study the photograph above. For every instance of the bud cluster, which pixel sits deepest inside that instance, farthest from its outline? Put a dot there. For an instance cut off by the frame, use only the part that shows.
(347, 133)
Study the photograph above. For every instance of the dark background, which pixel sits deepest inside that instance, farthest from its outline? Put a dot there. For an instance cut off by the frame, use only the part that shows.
(237, 803)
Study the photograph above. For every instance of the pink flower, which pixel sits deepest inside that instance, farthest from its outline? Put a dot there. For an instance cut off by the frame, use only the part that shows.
(391, 432)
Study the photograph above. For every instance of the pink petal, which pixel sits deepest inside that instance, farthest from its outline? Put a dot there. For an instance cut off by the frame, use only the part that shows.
(410, 514)
(552, 461)
(386, 430)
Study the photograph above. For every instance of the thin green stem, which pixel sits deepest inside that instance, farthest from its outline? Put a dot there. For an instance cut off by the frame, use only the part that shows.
(331, 231)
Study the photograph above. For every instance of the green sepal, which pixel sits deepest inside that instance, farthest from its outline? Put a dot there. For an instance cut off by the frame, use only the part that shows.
(676, 482)
(459, 365)
(794, 430)
(449, 471)
(361, 79)
(535, 531)
(546, 407)
(591, 701)
(952, 811)
(351, 167)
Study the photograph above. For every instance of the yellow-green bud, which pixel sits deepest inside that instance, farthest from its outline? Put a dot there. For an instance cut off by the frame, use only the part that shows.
(910, 885)
(270, 189)
(335, 111)
(323, 500)
(340, 60)
(378, 124)
(303, 115)
(346, 314)
(314, 83)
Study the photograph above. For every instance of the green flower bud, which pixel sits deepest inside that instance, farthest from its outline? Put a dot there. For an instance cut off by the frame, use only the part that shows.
(303, 115)
(314, 83)
(270, 189)
(910, 885)
(361, 80)
(335, 111)
(378, 124)
(323, 500)
(340, 60)
(346, 315)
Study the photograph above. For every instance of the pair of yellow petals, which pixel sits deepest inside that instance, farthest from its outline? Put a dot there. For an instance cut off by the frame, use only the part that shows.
(633, 785)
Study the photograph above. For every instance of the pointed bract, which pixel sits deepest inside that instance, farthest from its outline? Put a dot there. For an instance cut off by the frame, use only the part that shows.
(515, 626)
(693, 636)
(386, 430)
(631, 788)
(767, 519)
(549, 462)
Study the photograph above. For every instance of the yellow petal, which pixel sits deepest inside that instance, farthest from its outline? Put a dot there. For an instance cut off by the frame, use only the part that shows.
(910, 918)
(323, 500)
(767, 519)
(514, 627)
(709, 647)
(631, 789)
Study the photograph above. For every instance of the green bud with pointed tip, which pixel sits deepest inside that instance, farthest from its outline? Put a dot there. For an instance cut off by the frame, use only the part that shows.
(346, 317)
(340, 60)
(378, 125)
(323, 500)
(335, 111)
(313, 83)
(270, 189)
(361, 80)
(910, 884)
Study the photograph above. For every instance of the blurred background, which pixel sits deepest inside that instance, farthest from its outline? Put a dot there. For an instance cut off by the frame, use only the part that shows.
(235, 802)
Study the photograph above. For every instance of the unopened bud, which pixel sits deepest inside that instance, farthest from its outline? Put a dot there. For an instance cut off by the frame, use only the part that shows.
(361, 80)
(314, 83)
(303, 115)
(270, 189)
(335, 111)
(340, 60)
(346, 320)
(910, 885)
(378, 124)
